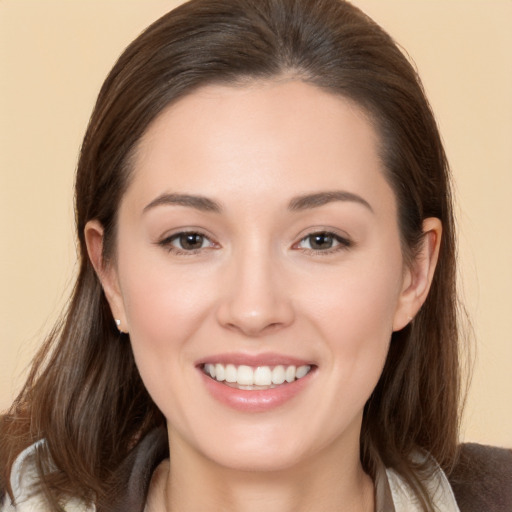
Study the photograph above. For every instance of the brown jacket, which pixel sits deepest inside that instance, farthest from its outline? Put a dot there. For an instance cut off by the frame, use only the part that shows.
(482, 479)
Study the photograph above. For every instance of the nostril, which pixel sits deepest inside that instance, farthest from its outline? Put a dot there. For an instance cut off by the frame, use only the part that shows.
(254, 326)
(254, 311)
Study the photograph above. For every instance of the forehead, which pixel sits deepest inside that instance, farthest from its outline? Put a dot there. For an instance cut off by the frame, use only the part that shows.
(279, 138)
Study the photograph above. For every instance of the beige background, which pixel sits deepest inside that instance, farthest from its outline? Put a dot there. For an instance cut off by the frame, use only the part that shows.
(54, 55)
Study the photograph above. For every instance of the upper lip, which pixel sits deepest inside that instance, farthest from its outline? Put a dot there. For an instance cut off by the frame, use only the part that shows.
(264, 359)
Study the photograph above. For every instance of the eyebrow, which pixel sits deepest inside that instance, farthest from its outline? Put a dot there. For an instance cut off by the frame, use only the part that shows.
(321, 198)
(198, 202)
(299, 203)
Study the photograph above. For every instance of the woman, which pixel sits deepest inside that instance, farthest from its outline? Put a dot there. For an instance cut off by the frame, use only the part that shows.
(267, 280)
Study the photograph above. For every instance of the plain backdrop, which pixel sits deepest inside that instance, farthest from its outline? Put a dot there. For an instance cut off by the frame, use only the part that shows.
(54, 55)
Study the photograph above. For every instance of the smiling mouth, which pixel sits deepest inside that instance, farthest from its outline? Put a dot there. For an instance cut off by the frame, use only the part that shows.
(255, 378)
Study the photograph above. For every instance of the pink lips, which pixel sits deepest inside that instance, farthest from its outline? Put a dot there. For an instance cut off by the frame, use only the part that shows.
(254, 400)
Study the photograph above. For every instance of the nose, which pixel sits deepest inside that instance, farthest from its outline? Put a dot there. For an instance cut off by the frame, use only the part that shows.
(255, 301)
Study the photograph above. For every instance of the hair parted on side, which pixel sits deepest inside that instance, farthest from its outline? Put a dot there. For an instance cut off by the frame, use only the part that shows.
(84, 394)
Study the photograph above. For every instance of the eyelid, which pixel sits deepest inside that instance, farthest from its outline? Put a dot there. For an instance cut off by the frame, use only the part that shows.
(166, 240)
(344, 240)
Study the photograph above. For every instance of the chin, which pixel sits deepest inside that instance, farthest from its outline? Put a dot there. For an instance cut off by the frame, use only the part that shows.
(259, 461)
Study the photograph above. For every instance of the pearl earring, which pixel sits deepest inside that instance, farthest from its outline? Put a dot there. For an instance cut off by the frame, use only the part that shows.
(118, 325)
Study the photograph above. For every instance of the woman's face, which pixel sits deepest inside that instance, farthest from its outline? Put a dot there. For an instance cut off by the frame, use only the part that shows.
(258, 243)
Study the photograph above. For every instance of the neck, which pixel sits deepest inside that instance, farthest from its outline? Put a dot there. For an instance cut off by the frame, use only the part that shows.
(333, 480)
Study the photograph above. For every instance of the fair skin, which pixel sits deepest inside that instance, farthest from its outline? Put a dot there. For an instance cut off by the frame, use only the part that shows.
(292, 260)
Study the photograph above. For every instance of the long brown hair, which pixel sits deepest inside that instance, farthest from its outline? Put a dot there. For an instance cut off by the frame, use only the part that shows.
(84, 394)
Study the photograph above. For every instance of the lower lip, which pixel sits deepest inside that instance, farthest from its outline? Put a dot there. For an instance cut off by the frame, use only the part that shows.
(257, 400)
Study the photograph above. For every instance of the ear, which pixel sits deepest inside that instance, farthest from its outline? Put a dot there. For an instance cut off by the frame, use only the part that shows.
(106, 272)
(418, 276)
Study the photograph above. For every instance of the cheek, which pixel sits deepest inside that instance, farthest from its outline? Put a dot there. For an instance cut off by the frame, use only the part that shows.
(355, 314)
(164, 307)
(358, 301)
(163, 302)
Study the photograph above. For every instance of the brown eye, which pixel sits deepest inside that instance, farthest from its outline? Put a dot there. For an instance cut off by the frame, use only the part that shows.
(323, 241)
(187, 241)
(319, 241)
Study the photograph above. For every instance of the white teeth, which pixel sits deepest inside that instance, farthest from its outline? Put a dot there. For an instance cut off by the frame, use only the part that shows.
(290, 374)
(220, 372)
(245, 376)
(302, 371)
(231, 373)
(278, 375)
(262, 376)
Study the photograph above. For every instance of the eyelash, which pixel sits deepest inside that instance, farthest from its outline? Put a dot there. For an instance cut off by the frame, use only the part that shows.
(342, 243)
(167, 243)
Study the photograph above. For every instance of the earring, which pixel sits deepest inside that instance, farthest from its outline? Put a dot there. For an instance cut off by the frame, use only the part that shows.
(118, 324)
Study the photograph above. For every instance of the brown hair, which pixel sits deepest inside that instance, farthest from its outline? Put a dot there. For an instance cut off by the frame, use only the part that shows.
(84, 394)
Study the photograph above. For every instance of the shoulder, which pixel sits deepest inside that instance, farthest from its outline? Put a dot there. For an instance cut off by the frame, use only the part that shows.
(405, 497)
(482, 479)
(24, 478)
(133, 477)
